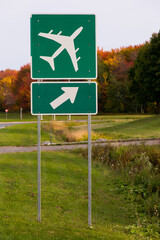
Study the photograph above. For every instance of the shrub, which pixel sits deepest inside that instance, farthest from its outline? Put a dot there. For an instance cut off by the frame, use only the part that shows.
(138, 168)
(103, 154)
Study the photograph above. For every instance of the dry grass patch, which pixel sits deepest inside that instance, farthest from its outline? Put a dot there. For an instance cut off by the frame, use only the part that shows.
(64, 132)
(76, 135)
(80, 135)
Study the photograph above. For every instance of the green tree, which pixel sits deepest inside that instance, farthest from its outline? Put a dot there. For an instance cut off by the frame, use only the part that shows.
(102, 80)
(118, 100)
(146, 81)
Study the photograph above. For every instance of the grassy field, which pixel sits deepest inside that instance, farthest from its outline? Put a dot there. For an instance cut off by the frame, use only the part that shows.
(21, 135)
(148, 127)
(107, 127)
(14, 117)
(64, 200)
(123, 127)
(64, 182)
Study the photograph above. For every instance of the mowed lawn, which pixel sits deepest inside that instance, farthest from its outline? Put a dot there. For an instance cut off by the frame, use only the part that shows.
(124, 127)
(64, 200)
(148, 127)
(21, 135)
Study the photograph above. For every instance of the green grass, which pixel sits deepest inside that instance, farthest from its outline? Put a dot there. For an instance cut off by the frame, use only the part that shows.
(64, 200)
(109, 127)
(126, 127)
(21, 135)
(15, 116)
(142, 128)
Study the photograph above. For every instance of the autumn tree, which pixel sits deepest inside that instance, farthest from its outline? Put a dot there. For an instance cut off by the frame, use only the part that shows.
(113, 78)
(7, 73)
(7, 80)
(21, 88)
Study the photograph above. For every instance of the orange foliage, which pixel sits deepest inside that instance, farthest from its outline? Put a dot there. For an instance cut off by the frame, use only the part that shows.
(7, 80)
(124, 51)
(118, 61)
(21, 88)
(8, 73)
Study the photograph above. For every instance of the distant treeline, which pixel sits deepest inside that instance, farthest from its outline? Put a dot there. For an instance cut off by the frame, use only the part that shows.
(128, 81)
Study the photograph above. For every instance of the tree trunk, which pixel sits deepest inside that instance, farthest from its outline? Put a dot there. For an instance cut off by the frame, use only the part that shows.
(142, 109)
(158, 107)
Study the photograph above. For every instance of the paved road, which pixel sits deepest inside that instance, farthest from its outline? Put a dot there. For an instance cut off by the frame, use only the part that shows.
(10, 149)
(7, 124)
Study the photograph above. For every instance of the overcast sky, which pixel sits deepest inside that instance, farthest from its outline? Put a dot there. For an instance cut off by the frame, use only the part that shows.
(119, 23)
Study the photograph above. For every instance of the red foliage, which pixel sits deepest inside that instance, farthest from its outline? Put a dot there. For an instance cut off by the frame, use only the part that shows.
(126, 52)
(7, 73)
(21, 88)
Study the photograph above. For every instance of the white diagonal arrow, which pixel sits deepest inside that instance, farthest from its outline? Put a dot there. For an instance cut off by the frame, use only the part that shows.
(69, 93)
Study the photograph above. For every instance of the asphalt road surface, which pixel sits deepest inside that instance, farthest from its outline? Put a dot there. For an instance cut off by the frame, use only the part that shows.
(8, 124)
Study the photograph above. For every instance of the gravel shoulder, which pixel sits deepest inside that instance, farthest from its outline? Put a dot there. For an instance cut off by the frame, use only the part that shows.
(65, 146)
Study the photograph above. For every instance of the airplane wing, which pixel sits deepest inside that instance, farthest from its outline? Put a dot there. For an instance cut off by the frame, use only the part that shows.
(72, 53)
(58, 38)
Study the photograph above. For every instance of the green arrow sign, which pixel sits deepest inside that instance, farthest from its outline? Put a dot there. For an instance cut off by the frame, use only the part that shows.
(63, 46)
(48, 98)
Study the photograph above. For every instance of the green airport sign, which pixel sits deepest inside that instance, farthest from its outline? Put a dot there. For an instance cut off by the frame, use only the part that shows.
(61, 98)
(63, 46)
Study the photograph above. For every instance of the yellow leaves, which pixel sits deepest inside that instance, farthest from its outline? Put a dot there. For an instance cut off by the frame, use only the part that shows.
(114, 61)
(6, 89)
(5, 85)
(105, 76)
(7, 82)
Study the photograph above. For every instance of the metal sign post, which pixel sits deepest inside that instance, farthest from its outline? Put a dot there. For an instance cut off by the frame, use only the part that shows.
(39, 164)
(6, 110)
(69, 116)
(89, 173)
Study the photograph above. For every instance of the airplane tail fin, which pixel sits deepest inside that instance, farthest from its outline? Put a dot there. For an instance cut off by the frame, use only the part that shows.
(76, 33)
(49, 60)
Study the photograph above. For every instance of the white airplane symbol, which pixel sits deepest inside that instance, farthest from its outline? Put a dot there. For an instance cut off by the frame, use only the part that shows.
(67, 42)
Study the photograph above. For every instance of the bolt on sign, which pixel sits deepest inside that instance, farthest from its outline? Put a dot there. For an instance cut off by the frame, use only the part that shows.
(63, 46)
